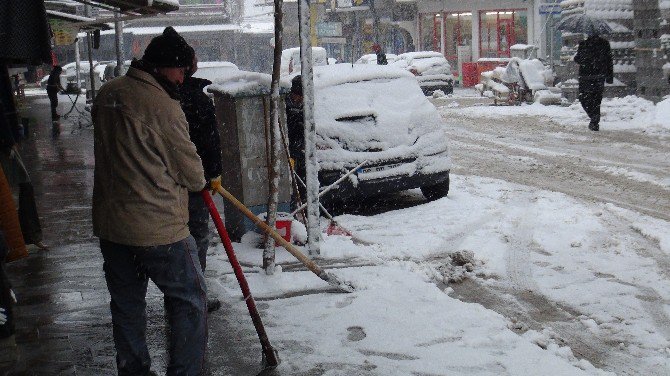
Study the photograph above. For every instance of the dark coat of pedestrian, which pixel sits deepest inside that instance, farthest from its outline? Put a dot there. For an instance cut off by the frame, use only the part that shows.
(145, 165)
(53, 87)
(594, 57)
(204, 133)
(17, 176)
(295, 122)
(381, 56)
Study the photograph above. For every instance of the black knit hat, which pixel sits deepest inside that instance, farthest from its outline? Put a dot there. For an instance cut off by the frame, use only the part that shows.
(296, 85)
(169, 50)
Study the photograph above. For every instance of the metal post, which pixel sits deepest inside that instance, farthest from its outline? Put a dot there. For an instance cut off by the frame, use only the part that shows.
(77, 57)
(311, 167)
(118, 35)
(551, 41)
(89, 44)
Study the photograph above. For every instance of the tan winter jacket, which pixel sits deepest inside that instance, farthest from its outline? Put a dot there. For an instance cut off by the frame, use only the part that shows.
(145, 163)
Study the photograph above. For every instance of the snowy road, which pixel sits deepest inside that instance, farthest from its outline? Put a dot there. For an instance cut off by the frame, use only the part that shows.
(610, 172)
(629, 169)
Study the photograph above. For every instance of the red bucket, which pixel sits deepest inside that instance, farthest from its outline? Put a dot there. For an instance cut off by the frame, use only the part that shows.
(282, 224)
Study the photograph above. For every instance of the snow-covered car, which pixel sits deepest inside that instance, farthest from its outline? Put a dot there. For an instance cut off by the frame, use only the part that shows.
(211, 70)
(290, 60)
(431, 69)
(379, 114)
(372, 59)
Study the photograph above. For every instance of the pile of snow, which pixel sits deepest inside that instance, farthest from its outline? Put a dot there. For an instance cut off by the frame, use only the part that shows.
(239, 83)
(627, 113)
(373, 112)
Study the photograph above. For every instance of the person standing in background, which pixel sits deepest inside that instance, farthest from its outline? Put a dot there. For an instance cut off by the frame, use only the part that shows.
(53, 87)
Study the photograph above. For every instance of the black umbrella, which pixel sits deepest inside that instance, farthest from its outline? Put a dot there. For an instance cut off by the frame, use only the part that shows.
(581, 23)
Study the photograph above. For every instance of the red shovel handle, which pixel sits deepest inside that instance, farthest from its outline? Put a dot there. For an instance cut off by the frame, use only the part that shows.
(268, 352)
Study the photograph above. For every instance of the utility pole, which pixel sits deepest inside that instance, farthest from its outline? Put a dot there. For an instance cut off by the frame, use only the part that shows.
(311, 166)
(118, 35)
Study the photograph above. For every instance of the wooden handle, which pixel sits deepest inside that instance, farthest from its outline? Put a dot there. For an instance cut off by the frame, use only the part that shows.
(311, 265)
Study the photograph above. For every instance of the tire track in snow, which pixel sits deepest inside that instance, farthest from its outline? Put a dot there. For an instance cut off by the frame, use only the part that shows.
(564, 164)
(533, 309)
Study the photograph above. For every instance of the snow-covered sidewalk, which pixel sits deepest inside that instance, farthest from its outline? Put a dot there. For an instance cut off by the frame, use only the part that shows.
(591, 259)
(628, 113)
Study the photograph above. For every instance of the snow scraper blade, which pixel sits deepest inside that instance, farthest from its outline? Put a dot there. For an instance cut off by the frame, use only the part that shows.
(311, 265)
(270, 358)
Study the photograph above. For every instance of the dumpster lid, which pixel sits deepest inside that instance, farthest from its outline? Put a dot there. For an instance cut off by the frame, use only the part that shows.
(239, 83)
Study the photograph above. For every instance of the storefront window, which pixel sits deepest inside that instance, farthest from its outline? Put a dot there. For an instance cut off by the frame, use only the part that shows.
(431, 32)
(499, 30)
(457, 32)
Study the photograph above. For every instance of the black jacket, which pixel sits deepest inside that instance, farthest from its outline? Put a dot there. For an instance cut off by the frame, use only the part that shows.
(295, 122)
(594, 57)
(199, 111)
(8, 134)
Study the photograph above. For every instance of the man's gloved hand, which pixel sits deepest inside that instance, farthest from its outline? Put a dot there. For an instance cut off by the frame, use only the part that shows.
(291, 161)
(215, 184)
(3, 317)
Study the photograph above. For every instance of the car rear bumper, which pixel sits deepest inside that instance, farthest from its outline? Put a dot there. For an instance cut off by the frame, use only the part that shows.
(373, 187)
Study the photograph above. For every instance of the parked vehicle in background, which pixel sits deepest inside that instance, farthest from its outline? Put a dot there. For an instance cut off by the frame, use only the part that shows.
(372, 59)
(379, 114)
(110, 70)
(290, 60)
(431, 70)
(210, 70)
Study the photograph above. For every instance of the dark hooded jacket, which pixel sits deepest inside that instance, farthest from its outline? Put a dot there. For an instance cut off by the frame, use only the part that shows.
(594, 57)
(201, 118)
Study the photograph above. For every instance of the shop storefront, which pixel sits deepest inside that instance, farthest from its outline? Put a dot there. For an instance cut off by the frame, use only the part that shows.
(481, 29)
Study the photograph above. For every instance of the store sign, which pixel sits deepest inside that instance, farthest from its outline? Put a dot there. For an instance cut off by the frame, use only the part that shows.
(551, 7)
(64, 33)
(352, 3)
(329, 29)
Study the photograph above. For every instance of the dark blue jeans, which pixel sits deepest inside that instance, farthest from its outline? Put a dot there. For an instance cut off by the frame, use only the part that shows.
(198, 225)
(175, 269)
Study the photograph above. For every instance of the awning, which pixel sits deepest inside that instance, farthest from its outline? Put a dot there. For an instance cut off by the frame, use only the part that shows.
(135, 7)
(73, 18)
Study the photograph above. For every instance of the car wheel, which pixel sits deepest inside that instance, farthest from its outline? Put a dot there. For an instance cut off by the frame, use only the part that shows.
(439, 190)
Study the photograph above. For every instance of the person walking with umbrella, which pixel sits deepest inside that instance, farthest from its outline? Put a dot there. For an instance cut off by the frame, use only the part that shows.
(594, 57)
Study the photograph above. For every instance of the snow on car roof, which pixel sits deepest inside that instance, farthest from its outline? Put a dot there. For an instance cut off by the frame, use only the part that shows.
(239, 83)
(331, 75)
(420, 54)
(216, 64)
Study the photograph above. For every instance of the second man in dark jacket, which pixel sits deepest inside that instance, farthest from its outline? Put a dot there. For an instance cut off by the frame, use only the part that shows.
(201, 118)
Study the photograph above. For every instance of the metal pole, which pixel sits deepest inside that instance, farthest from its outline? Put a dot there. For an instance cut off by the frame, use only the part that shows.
(77, 57)
(311, 167)
(89, 44)
(118, 35)
(551, 41)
